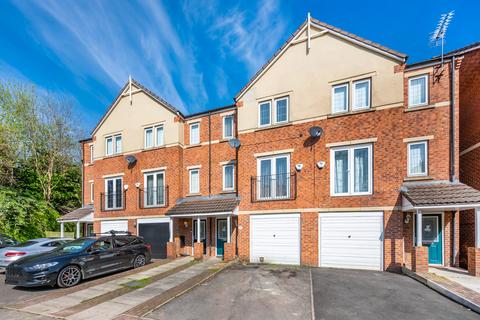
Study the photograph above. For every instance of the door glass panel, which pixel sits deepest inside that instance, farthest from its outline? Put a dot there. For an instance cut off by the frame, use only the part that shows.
(202, 230)
(281, 177)
(222, 230)
(109, 193)
(265, 181)
(150, 190)
(118, 193)
(159, 188)
(429, 229)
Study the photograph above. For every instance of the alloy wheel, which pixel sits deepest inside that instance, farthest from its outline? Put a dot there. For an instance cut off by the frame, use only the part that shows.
(139, 261)
(69, 277)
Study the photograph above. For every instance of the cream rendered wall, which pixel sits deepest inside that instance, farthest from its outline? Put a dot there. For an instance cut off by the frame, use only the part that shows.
(308, 79)
(130, 121)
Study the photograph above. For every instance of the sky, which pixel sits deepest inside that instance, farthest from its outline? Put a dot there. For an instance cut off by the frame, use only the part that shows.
(196, 54)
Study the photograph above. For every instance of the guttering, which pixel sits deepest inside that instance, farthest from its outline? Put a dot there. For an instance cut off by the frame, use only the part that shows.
(452, 119)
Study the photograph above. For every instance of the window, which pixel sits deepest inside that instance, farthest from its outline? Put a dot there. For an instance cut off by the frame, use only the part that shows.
(194, 181)
(91, 192)
(228, 177)
(265, 111)
(153, 136)
(418, 91)
(351, 170)
(340, 98)
(91, 153)
(113, 193)
(361, 94)
(281, 110)
(195, 133)
(417, 159)
(154, 189)
(228, 127)
(113, 145)
(273, 181)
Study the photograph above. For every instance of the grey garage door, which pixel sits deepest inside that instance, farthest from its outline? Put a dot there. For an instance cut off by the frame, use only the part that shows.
(157, 234)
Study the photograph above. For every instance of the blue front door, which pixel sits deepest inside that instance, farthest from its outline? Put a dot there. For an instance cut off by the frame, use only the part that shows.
(432, 237)
(221, 235)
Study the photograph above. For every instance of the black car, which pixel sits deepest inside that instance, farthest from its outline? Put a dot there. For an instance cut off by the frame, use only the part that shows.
(6, 241)
(79, 259)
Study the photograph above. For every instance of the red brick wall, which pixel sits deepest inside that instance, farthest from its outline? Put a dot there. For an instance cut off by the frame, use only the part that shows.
(393, 241)
(309, 238)
(244, 237)
(467, 235)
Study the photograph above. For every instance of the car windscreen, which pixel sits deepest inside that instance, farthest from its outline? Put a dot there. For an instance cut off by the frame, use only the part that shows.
(25, 244)
(76, 245)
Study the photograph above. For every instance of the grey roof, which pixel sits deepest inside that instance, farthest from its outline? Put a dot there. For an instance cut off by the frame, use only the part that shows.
(440, 194)
(77, 213)
(456, 52)
(199, 205)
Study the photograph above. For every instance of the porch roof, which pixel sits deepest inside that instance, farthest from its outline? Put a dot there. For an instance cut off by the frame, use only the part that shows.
(83, 214)
(204, 206)
(443, 195)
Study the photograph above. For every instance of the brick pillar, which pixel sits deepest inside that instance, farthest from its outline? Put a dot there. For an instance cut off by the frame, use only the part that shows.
(420, 259)
(228, 251)
(198, 250)
(309, 241)
(171, 250)
(474, 261)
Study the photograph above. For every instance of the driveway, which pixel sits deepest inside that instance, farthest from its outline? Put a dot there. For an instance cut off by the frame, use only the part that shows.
(10, 294)
(349, 294)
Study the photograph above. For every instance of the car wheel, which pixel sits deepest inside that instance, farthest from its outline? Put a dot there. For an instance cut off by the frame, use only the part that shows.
(139, 261)
(69, 276)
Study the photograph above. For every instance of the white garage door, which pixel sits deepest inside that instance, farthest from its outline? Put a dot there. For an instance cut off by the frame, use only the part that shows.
(115, 225)
(276, 238)
(351, 240)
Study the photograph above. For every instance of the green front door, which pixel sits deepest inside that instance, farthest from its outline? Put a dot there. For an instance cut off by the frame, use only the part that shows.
(221, 235)
(432, 237)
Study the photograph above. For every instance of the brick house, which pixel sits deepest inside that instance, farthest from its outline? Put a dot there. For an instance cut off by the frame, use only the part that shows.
(336, 153)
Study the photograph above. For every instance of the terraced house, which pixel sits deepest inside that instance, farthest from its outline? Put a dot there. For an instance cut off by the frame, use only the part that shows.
(336, 153)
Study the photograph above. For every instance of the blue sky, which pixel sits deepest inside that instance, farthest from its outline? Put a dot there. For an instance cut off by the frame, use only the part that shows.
(196, 54)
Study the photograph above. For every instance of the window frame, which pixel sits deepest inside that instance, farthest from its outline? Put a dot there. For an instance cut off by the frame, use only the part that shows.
(427, 98)
(273, 172)
(198, 137)
(155, 142)
(347, 94)
(155, 200)
(423, 174)
(92, 192)
(351, 170)
(91, 154)
(276, 109)
(190, 171)
(113, 139)
(369, 95)
(145, 138)
(224, 188)
(224, 126)
(269, 102)
(114, 192)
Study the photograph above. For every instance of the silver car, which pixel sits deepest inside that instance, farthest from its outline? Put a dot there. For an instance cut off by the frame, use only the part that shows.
(30, 247)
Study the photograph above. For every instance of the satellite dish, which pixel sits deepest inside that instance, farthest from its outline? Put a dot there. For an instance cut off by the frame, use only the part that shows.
(131, 160)
(315, 132)
(234, 143)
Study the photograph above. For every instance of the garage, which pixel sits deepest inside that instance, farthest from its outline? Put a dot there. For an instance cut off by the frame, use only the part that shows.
(155, 231)
(352, 240)
(275, 238)
(115, 225)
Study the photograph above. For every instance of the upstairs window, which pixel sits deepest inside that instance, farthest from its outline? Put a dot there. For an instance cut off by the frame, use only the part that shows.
(154, 189)
(281, 110)
(153, 136)
(340, 98)
(92, 192)
(265, 110)
(113, 193)
(113, 145)
(417, 159)
(279, 114)
(228, 177)
(361, 94)
(91, 153)
(194, 181)
(228, 127)
(195, 133)
(418, 91)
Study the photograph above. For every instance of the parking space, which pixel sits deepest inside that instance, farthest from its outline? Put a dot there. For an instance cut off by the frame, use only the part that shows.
(10, 294)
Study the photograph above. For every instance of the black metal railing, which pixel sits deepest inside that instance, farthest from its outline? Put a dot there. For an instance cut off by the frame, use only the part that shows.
(274, 187)
(112, 201)
(153, 197)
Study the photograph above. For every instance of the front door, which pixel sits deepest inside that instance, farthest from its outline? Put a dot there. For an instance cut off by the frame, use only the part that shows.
(432, 237)
(203, 237)
(221, 235)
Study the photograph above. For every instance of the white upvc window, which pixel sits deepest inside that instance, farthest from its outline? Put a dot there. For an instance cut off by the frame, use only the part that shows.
(194, 177)
(228, 126)
(195, 133)
(351, 170)
(273, 177)
(154, 136)
(340, 98)
(418, 91)
(281, 110)
(417, 159)
(265, 113)
(113, 145)
(361, 94)
(92, 192)
(91, 154)
(277, 115)
(113, 193)
(228, 177)
(154, 185)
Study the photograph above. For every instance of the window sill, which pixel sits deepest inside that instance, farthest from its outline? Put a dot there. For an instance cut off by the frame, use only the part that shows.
(226, 139)
(227, 191)
(113, 156)
(274, 126)
(193, 145)
(418, 108)
(155, 207)
(194, 194)
(351, 195)
(154, 148)
(419, 178)
(350, 113)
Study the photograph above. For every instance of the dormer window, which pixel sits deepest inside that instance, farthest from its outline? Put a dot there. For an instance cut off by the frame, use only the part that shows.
(418, 91)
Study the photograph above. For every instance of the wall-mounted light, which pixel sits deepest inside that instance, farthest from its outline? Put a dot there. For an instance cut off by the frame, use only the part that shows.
(321, 164)
(185, 224)
(407, 218)
(299, 166)
(125, 187)
(137, 185)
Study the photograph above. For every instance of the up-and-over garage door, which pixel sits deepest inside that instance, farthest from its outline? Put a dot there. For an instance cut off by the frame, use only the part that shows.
(275, 238)
(155, 231)
(352, 240)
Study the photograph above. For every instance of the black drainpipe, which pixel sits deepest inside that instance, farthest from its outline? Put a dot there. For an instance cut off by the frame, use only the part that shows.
(452, 120)
(209, 154)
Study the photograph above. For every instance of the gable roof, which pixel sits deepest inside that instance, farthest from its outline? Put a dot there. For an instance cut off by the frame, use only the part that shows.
(331, 29)
(140, 86)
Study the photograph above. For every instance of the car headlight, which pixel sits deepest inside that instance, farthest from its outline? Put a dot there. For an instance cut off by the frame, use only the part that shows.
(41, 266)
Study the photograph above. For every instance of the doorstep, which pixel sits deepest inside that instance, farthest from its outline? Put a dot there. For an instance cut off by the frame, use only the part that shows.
(453, 283)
